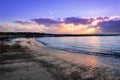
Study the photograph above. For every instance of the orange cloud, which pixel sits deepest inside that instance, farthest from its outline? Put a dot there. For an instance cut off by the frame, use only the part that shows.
(73, 29)
(67, 28)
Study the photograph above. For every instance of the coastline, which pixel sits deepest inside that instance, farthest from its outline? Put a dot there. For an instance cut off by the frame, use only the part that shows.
(44, 63)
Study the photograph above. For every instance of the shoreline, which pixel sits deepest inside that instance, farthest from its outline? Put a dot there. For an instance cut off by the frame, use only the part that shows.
(57, 65)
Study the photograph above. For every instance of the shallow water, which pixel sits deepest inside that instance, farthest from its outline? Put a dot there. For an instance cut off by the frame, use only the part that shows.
(94, 45)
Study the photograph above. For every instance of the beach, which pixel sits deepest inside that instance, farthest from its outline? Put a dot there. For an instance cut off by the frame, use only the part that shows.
(26, 59)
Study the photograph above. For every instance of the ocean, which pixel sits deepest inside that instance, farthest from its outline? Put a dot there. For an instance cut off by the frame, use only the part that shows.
(108, 46)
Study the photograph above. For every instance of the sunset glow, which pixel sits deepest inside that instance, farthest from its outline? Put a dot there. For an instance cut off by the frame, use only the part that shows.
(73, 19)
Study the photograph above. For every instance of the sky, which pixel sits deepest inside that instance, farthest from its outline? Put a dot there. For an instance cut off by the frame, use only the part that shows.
(60, 16)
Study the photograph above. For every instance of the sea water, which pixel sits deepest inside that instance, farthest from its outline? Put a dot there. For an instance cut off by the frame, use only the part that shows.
(90, 45)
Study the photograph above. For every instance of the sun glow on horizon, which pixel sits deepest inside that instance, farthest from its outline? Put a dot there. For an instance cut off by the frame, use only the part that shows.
(76, 29)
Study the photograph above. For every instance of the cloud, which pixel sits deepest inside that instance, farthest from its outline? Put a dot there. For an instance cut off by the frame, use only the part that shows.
(112, 26)
(73, 25)
(69, 25)
(6, 27)
(24, 22)
(73, 29)
(73, 20)
(22, 26)
(45, 21)
(76, 20)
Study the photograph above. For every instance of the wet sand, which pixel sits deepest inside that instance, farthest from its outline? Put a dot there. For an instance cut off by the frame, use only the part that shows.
(25, 59)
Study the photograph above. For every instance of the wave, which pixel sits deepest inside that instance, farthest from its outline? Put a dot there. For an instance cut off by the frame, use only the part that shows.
(73, 49)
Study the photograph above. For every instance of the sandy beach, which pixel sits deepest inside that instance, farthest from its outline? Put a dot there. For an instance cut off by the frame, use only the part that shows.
(26, 59)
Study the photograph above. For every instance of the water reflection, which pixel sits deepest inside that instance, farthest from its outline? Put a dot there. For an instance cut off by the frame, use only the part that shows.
(94, 42)
(91, 60)
(81, 59)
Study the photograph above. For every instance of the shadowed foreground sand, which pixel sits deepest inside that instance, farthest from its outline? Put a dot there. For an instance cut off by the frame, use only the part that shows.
(25, 59)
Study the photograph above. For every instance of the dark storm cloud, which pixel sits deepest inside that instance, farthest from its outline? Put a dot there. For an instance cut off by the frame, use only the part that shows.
(112, 26)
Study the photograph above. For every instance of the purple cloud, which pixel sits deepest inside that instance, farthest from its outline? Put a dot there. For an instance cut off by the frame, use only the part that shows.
(76, 20)
(112, 26)
(73, 20)
(45, 21)
(24, 22)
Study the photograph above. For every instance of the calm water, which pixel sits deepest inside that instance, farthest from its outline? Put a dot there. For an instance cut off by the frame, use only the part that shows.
(94, 45)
